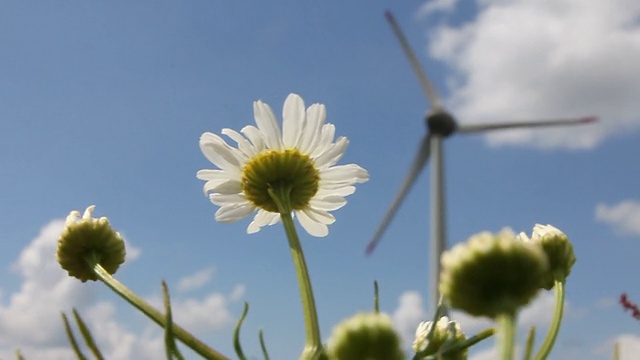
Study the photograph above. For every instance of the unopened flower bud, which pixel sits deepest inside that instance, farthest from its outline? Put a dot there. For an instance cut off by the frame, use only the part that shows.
(86, 240)
(558, 249)
(446, 331)
(366, 336)
(492, 274)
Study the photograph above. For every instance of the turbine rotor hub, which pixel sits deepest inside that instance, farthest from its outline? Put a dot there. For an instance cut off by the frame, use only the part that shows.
(441, 123)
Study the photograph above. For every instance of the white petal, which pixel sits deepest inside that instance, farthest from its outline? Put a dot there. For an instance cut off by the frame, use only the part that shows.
(211, 174)
(243, 144)
(73, 217)
(268, 125)
(315, 118)
(326, 139)
(320, 216)
(332, 189)
(212, 185)
(343, 174)
(332, 154)
(523, 237)
(329, 203)
(255, 136)
(216, 150)
(88, 212)
(227, 187)
(313, 227)
(234, 212)
(228, 199)
(293, 118)
(261, 219)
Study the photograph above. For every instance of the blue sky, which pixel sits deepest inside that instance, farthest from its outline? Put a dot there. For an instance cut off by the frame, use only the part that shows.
(104, 102)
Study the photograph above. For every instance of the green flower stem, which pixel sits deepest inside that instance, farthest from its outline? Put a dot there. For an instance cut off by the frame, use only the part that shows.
(506, 335)
(181, 334)
(554, 328)
(313, 344)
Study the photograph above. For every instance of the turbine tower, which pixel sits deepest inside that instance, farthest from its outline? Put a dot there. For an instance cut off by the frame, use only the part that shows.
(440, 125)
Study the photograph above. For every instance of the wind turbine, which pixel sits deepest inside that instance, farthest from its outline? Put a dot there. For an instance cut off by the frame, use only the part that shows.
(440, 124)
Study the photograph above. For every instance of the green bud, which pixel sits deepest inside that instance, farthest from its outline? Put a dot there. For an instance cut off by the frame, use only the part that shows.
(446, 331)
(366, 336)
(89, 239)
(492, 274)
(559, 251)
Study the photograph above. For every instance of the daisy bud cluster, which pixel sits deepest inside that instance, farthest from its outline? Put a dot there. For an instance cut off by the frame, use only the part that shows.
(558, 249)
(493, 274)
(365, 336)
(86, 240)
(445, 332)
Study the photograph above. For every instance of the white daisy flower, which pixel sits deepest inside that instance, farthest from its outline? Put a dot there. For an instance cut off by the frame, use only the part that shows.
(301, 158)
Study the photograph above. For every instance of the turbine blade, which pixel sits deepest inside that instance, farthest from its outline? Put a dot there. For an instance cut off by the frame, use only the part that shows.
(417, 166)
(471, 128)
(429, 90)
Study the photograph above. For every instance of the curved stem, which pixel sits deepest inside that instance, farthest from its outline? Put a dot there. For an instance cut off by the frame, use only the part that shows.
(181, 334)
(506, 335)
(313, 343)
(554, 328)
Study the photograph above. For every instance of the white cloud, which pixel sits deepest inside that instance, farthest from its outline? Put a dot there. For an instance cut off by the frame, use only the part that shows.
(432, 6)
(196, 280)
(538, 313)
(624, 217)
(521, 59)
(628, 346)
(210, 313)
(30, 316)
(605, 303)
(487, 354)
(408, 315)
(238, 292)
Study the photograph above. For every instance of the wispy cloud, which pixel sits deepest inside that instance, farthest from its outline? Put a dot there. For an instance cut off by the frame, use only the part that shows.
(196, 280)
(623, 217)
(521, 59)
(433, 6)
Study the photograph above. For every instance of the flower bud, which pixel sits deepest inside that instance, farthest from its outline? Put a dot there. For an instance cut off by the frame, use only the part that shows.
(492, 274)
(445, 332)
(558, 249)
(89, 240)
(366, 336)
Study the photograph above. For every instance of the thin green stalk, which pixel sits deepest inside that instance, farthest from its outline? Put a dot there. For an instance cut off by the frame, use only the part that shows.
(263, 346)
(313, 344)
(86, 334)
(169, 339)
(72, 338)
(181, 334)
(506, 335)
(554, 328)
(236, 333)
(376, 298)
(531, 337)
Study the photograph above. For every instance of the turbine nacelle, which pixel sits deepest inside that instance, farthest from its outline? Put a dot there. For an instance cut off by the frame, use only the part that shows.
(440, 122)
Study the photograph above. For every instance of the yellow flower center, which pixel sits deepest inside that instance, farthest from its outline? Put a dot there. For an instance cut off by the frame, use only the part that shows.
(279, 169)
